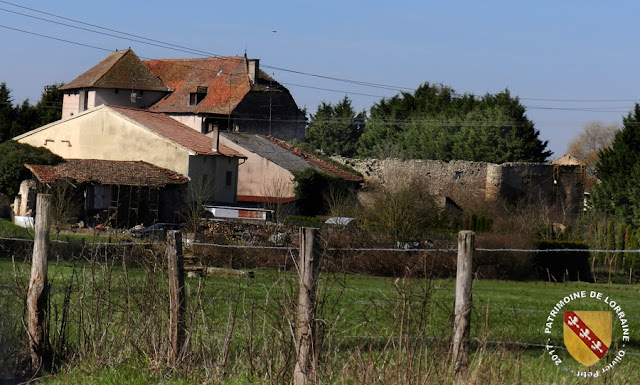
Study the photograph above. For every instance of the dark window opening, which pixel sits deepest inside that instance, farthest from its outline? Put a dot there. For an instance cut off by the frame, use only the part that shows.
(197, 95)
(86, 100)
(458, 175)
(229, 180)
(211, 123)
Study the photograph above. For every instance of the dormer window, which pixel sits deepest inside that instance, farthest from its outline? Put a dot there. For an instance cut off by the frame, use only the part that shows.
(196, 95)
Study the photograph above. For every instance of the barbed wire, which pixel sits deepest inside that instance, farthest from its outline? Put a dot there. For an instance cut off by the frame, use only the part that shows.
(354, 249)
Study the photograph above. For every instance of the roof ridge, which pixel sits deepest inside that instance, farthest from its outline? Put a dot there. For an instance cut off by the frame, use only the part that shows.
(124, 52)
(196, 58)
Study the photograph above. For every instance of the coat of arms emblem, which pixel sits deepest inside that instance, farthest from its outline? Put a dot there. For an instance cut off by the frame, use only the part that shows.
(587, 335)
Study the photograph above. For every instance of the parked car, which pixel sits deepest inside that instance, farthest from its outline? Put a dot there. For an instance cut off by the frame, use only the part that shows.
(156, 230)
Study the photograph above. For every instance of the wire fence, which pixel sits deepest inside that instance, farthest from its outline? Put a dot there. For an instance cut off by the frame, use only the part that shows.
(348, 249)
(102, 299)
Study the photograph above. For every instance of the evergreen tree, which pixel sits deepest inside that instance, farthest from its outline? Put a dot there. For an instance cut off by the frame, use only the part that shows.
(49, 106)
(435, 123)
(335, 130)
(14, 156)
(7, 113)
(16, 120)
(618, 169)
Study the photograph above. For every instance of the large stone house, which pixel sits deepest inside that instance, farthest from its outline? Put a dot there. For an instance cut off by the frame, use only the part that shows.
(206, 94)
(117, 134)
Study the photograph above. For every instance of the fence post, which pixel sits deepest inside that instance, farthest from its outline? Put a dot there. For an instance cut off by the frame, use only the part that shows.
(306, 367)
(463, 305)
(177, 301)
(38, 287)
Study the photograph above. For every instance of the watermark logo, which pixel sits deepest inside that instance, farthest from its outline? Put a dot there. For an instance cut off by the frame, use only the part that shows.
(588, 331)
(587, 335)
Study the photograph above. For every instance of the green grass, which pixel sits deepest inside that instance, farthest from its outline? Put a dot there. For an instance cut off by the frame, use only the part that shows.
(9, 230)
(381, 328)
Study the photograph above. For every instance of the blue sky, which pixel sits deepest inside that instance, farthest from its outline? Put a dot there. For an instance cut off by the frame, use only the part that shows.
(570, 62)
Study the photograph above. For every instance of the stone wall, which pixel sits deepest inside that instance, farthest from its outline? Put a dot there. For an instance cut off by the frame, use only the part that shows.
(473, 185)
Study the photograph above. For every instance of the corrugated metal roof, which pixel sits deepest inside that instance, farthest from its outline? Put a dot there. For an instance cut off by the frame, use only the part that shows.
(318, 163)
(107, 172)
(266, 149)
(286, 156)
(121, 69)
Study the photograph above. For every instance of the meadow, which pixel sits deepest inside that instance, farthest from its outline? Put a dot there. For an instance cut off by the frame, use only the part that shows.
(108, 322)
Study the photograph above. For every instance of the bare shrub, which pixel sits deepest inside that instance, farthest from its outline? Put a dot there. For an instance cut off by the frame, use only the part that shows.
(402, 206)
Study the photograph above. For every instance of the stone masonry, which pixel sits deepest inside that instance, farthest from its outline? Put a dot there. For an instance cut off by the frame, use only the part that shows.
(473, 185)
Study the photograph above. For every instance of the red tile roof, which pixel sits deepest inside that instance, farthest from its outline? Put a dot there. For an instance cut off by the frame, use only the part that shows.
(107, 172)
(175, 131)
(226, 79)
(121, 69)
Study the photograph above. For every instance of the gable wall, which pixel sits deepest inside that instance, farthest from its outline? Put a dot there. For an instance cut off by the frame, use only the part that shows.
(258, 176)
(104, 135)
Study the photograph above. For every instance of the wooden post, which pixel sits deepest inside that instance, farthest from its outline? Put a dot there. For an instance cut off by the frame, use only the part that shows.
(463, 305)
(177, 301)
(38, 286)
(306, 367)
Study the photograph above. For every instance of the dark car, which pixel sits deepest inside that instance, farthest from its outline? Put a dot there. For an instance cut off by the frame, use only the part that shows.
(156, 230)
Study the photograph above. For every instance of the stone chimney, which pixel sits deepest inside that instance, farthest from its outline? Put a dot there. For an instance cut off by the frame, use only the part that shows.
(215, 134)
(253, 68)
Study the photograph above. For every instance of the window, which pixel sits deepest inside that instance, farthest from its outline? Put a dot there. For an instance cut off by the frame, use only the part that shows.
(458, 175)
(86, 100)
(229, 180)
(197, 94)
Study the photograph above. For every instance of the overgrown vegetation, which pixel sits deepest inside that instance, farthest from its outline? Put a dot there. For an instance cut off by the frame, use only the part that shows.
(14, 156)
(108, 322)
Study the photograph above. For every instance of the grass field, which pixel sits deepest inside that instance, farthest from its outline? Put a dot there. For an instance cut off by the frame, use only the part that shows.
(108, 323)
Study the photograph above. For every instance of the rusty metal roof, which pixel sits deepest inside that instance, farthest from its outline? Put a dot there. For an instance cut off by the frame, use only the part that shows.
(107, 172)
(121, 69)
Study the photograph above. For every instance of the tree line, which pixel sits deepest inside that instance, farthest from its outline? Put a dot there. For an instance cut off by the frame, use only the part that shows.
(433, 122)
(16, 120)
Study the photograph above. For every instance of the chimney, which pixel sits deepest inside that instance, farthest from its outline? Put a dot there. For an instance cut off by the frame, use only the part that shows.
(215, 133)
(253, 68)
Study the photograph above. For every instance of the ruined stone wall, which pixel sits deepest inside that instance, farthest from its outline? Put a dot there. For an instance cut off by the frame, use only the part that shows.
(472, 185)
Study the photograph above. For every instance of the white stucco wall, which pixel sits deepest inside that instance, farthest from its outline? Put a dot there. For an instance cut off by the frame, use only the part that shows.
(73, 102)
(193, 121)
(103, 134)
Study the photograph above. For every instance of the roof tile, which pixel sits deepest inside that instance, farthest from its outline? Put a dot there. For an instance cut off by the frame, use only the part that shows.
(107, 172)
(121, 69)
(226, 79)
(175, 131)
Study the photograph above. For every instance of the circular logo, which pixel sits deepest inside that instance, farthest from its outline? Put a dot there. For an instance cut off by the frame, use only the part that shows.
(586, 329)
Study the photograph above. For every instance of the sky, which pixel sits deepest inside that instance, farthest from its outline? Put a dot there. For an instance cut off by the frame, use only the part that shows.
(569, 62)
